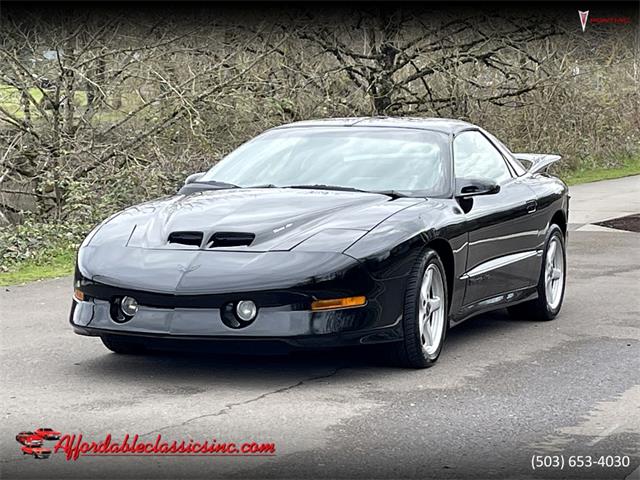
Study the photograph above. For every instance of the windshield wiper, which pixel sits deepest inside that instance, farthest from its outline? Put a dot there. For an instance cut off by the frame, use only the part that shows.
(217, 183)
(318, 186)
(390, 193)
(265, 185)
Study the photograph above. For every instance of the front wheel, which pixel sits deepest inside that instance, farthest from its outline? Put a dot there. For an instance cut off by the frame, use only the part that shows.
(425, 314)
(551, 284)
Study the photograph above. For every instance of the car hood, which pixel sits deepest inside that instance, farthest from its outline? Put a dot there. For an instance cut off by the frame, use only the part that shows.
(257, 220)
(299, 238)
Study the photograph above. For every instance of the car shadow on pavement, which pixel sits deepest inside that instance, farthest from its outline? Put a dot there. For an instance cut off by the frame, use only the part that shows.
(250, 367)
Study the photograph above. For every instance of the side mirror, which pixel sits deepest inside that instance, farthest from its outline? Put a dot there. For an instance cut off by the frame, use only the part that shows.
(194, 177)
(472, 187)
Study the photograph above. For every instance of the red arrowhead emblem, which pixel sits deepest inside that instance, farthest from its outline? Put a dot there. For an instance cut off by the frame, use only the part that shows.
(583, 19)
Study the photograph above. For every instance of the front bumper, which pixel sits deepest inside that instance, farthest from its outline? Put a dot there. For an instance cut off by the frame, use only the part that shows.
(189, 304)
(298, 328)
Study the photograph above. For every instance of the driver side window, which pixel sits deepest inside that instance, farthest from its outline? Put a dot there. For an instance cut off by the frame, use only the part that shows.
(475, 157)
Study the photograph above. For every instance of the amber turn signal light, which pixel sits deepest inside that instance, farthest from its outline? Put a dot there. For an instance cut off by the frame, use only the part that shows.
(78, 295)
(336, 303)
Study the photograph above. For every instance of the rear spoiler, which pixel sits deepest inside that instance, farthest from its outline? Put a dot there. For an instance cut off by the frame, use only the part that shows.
(537, 162)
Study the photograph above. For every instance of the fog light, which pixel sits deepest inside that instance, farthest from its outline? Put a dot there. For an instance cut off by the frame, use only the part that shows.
(246, 310)
(129, 306)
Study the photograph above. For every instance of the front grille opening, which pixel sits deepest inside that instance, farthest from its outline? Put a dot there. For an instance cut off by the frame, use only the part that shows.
(230, 239)
(186, 238)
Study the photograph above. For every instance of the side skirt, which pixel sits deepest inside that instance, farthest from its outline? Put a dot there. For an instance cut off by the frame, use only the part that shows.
(494, 303)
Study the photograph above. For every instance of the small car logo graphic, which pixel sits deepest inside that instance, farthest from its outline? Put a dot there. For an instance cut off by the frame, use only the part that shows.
(188, 268)
(31, 442)
(37, 452)
(29, 439)
(583, 19)
(48, 433)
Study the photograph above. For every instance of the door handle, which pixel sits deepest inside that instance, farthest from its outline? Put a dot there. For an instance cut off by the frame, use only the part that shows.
(532, 206)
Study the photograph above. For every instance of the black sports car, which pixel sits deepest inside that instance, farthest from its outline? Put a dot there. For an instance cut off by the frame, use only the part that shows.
(332, 232)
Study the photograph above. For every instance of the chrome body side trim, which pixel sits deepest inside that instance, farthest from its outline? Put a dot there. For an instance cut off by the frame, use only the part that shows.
(499, 263)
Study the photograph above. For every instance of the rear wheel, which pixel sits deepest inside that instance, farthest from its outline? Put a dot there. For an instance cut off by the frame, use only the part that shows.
(425, 314)
(122, 346)
(551, 284)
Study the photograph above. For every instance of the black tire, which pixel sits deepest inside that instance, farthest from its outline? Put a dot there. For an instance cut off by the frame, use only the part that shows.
(539, 309)
(123, 346)
(409, 353)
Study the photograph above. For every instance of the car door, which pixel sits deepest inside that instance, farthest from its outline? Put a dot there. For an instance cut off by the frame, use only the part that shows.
(502, 255)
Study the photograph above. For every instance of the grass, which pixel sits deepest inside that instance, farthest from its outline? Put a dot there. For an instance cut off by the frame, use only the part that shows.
(10, 101)
(59, 264)
(630, 167)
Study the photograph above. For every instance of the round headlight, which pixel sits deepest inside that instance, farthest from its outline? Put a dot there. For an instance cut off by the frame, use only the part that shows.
(246, 310)
(129, 306)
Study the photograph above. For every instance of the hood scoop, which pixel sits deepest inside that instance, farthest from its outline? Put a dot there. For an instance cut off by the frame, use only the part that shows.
(252, 219)
(186, 238)
(231, 239)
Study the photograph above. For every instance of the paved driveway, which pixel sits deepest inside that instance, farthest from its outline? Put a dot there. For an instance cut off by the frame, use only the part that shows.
(503, 390)
(595, 202)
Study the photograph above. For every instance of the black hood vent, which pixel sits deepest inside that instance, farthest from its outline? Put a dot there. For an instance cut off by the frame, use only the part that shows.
(231, 239)
(186, 238)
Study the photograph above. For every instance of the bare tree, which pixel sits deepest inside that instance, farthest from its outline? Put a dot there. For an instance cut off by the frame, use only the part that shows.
(97, 112)
(413, 62)
(81, 103)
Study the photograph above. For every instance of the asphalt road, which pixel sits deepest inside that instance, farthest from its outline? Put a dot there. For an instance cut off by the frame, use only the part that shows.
(503, 390)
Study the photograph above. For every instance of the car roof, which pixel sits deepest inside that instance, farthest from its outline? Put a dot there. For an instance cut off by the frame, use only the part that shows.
(444, 125)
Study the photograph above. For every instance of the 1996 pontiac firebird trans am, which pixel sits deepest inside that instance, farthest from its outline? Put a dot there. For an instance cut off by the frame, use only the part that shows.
(332, 232)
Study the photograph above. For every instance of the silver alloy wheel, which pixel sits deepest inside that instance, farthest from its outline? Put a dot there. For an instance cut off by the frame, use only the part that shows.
(431, 309)
(554, 273)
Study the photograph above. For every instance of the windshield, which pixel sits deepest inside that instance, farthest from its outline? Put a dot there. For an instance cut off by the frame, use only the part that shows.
(372, 159)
